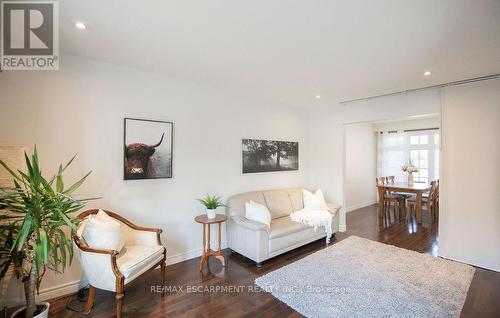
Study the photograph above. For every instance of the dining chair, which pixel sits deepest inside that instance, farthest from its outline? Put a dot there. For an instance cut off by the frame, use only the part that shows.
(396, 201)
(390, 180)
(436, 201)
(429, 202)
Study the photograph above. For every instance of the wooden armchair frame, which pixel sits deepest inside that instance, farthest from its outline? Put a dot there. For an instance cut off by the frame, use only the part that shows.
(120, 285)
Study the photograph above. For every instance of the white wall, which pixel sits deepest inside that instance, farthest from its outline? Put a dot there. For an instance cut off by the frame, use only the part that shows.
(80, 109)
(399, 125)
(469, 224)
(360, 166)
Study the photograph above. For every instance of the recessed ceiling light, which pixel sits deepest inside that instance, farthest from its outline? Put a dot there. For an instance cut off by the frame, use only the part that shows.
(80, 25)
(427, 73)
(318, 96)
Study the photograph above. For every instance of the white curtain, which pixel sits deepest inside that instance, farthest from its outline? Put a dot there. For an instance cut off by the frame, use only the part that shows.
(392, 153)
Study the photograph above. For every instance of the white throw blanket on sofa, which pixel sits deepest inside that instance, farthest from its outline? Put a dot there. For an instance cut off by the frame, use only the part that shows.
(315, 218)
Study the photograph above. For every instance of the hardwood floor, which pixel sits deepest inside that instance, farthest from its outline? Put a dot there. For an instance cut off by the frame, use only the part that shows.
(140, 301)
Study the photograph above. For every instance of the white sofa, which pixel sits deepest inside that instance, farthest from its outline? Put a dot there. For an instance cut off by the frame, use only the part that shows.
(259, 242)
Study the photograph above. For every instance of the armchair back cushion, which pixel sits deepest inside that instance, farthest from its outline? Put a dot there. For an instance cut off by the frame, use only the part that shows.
(103, 232)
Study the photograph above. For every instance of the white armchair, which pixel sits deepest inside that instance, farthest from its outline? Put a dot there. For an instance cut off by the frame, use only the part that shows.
(115, 270)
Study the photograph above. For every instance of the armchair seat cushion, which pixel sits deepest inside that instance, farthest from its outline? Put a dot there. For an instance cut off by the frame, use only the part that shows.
(138, 258)
(284, 226)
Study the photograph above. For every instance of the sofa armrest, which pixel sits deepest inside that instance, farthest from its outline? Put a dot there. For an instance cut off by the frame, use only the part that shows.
(249, 224)
(333, 207)
(248, 238)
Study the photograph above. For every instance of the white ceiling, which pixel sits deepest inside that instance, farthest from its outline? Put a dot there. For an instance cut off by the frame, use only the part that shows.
(289, 51)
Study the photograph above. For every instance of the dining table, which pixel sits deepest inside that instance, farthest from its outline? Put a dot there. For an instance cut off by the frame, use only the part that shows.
(417, 188)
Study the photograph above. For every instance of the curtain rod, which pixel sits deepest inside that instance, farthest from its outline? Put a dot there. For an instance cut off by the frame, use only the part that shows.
(465, 81)
(421, 129)
(409, 130)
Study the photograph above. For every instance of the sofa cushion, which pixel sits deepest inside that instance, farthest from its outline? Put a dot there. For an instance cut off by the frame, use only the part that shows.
(296, 199)
(314, 201)
(135, 258)
(285, 243)
(236, 203)
(285, 226)
(278, 203)
(258, 213)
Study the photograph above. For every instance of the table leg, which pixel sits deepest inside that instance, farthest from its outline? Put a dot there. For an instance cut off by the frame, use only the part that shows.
(204, 240)
(220, 237)
(209, 243)
(219, 255)
(381, 201)
(419, 207)
(204, 254)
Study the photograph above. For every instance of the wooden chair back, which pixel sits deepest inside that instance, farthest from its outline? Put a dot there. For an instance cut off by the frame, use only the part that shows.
(432, 191)
(380, 180)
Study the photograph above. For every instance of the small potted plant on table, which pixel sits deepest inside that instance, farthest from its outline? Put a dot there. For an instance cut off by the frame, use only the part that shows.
(211, 204)
(33, 215)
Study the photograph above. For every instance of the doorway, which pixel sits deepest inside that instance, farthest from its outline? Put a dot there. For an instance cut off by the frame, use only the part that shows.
(378, 149)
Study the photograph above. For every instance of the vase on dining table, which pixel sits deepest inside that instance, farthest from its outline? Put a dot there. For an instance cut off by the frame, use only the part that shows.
(410, 179)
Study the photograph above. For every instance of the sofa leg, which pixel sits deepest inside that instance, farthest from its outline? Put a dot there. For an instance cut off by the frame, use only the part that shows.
(258, 264)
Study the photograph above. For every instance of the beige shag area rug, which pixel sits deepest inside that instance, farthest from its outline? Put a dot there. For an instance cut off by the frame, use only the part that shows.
(358, 277)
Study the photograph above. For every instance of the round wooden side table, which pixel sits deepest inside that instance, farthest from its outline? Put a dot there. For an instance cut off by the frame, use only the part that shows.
(207, 251)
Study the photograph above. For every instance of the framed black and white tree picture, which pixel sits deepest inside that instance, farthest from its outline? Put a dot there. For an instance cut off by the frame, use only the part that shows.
(148, 149)
(269, 155)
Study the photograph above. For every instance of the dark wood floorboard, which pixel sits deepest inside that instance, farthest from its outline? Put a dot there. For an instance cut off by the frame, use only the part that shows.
(483, 299)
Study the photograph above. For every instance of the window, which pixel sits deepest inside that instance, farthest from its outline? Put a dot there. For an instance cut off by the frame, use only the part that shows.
(398, 148)
(424, 153)
(420, 158)
(418, 140)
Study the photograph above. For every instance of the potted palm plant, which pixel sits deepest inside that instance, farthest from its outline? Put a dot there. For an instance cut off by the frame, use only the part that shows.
(34, 214)
(211, 204)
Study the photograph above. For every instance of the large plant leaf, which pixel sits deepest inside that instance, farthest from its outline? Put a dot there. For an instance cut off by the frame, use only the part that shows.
(9, 170)
(38, 212)
(76, 185)
(24, 233)
(45, 245)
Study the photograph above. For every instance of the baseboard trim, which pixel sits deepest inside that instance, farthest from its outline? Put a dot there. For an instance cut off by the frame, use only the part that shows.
(72, 287)
(194, 253)
(61, 290)
(360, 205)
(472, 263)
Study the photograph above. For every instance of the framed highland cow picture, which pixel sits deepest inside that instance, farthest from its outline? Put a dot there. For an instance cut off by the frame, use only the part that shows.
(148, 149)
(269, 155)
